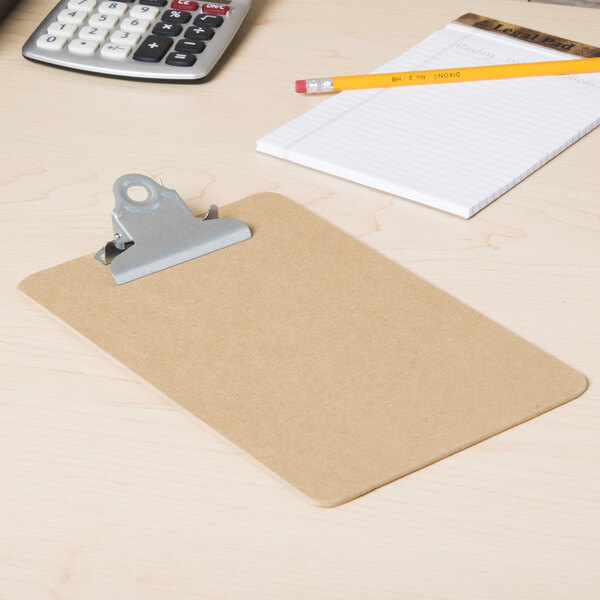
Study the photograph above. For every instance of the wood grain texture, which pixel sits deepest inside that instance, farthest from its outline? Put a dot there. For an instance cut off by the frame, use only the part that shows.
(108, 492)
(586, 3)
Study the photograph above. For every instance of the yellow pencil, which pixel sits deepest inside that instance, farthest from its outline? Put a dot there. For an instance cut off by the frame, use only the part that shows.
(382, 80)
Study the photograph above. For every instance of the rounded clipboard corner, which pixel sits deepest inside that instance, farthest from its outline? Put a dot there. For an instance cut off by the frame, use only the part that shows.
(584, 386)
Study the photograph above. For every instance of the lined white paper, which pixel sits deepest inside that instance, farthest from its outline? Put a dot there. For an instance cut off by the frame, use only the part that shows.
(455, 147)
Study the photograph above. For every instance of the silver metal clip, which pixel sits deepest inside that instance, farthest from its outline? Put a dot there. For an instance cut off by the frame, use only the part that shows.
(160, 231)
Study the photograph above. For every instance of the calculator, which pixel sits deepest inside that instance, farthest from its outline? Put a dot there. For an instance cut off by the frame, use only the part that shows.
(172, 40)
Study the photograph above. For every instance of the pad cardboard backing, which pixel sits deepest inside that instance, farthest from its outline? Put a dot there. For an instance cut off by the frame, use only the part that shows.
(328, 363)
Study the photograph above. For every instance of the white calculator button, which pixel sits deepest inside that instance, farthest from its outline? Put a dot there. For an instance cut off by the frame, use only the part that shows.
(63, 29)
(51, 42)
(135, 25)
(125, 37)
(115, 51)
(95, 34)
(143, 12)
(103, 21)
(112, 8)
(77, 17)
(85, 5)
(82, 47)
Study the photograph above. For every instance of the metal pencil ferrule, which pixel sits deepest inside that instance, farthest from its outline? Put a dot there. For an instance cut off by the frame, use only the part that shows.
(319, 86)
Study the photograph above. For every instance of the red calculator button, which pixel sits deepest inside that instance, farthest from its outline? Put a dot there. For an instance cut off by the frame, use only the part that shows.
(184, 5)
(215, 9)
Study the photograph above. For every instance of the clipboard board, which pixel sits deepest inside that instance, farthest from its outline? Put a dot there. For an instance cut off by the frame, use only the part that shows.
(329, 364)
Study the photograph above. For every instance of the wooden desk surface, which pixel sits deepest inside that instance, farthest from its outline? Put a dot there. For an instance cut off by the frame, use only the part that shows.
(108, 492)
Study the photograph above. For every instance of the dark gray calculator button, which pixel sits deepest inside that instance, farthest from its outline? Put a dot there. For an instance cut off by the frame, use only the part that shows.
(153, 48)
(195, 46)
(158, 3)
(209, 20)
(179, 59)
(176, 16)
(167, 29)
(199, 33)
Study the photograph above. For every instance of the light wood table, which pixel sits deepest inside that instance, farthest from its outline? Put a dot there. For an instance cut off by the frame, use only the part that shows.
(107, 492)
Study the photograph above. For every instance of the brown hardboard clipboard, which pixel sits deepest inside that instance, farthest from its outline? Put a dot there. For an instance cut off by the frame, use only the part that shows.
(331, 365)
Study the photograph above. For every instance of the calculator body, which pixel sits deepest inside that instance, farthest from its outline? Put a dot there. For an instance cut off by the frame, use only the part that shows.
(139, 39)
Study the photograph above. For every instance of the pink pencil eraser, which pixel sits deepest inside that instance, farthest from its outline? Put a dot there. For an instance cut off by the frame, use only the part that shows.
(301, 86)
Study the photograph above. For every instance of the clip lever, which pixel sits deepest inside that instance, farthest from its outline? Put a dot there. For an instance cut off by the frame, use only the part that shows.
(161, 231)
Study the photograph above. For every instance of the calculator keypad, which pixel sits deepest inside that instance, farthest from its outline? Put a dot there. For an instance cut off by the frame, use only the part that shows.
(170, 32)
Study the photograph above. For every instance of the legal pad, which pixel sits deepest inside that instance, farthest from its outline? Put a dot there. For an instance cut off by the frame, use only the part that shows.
(459, 146)
(326, 362)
